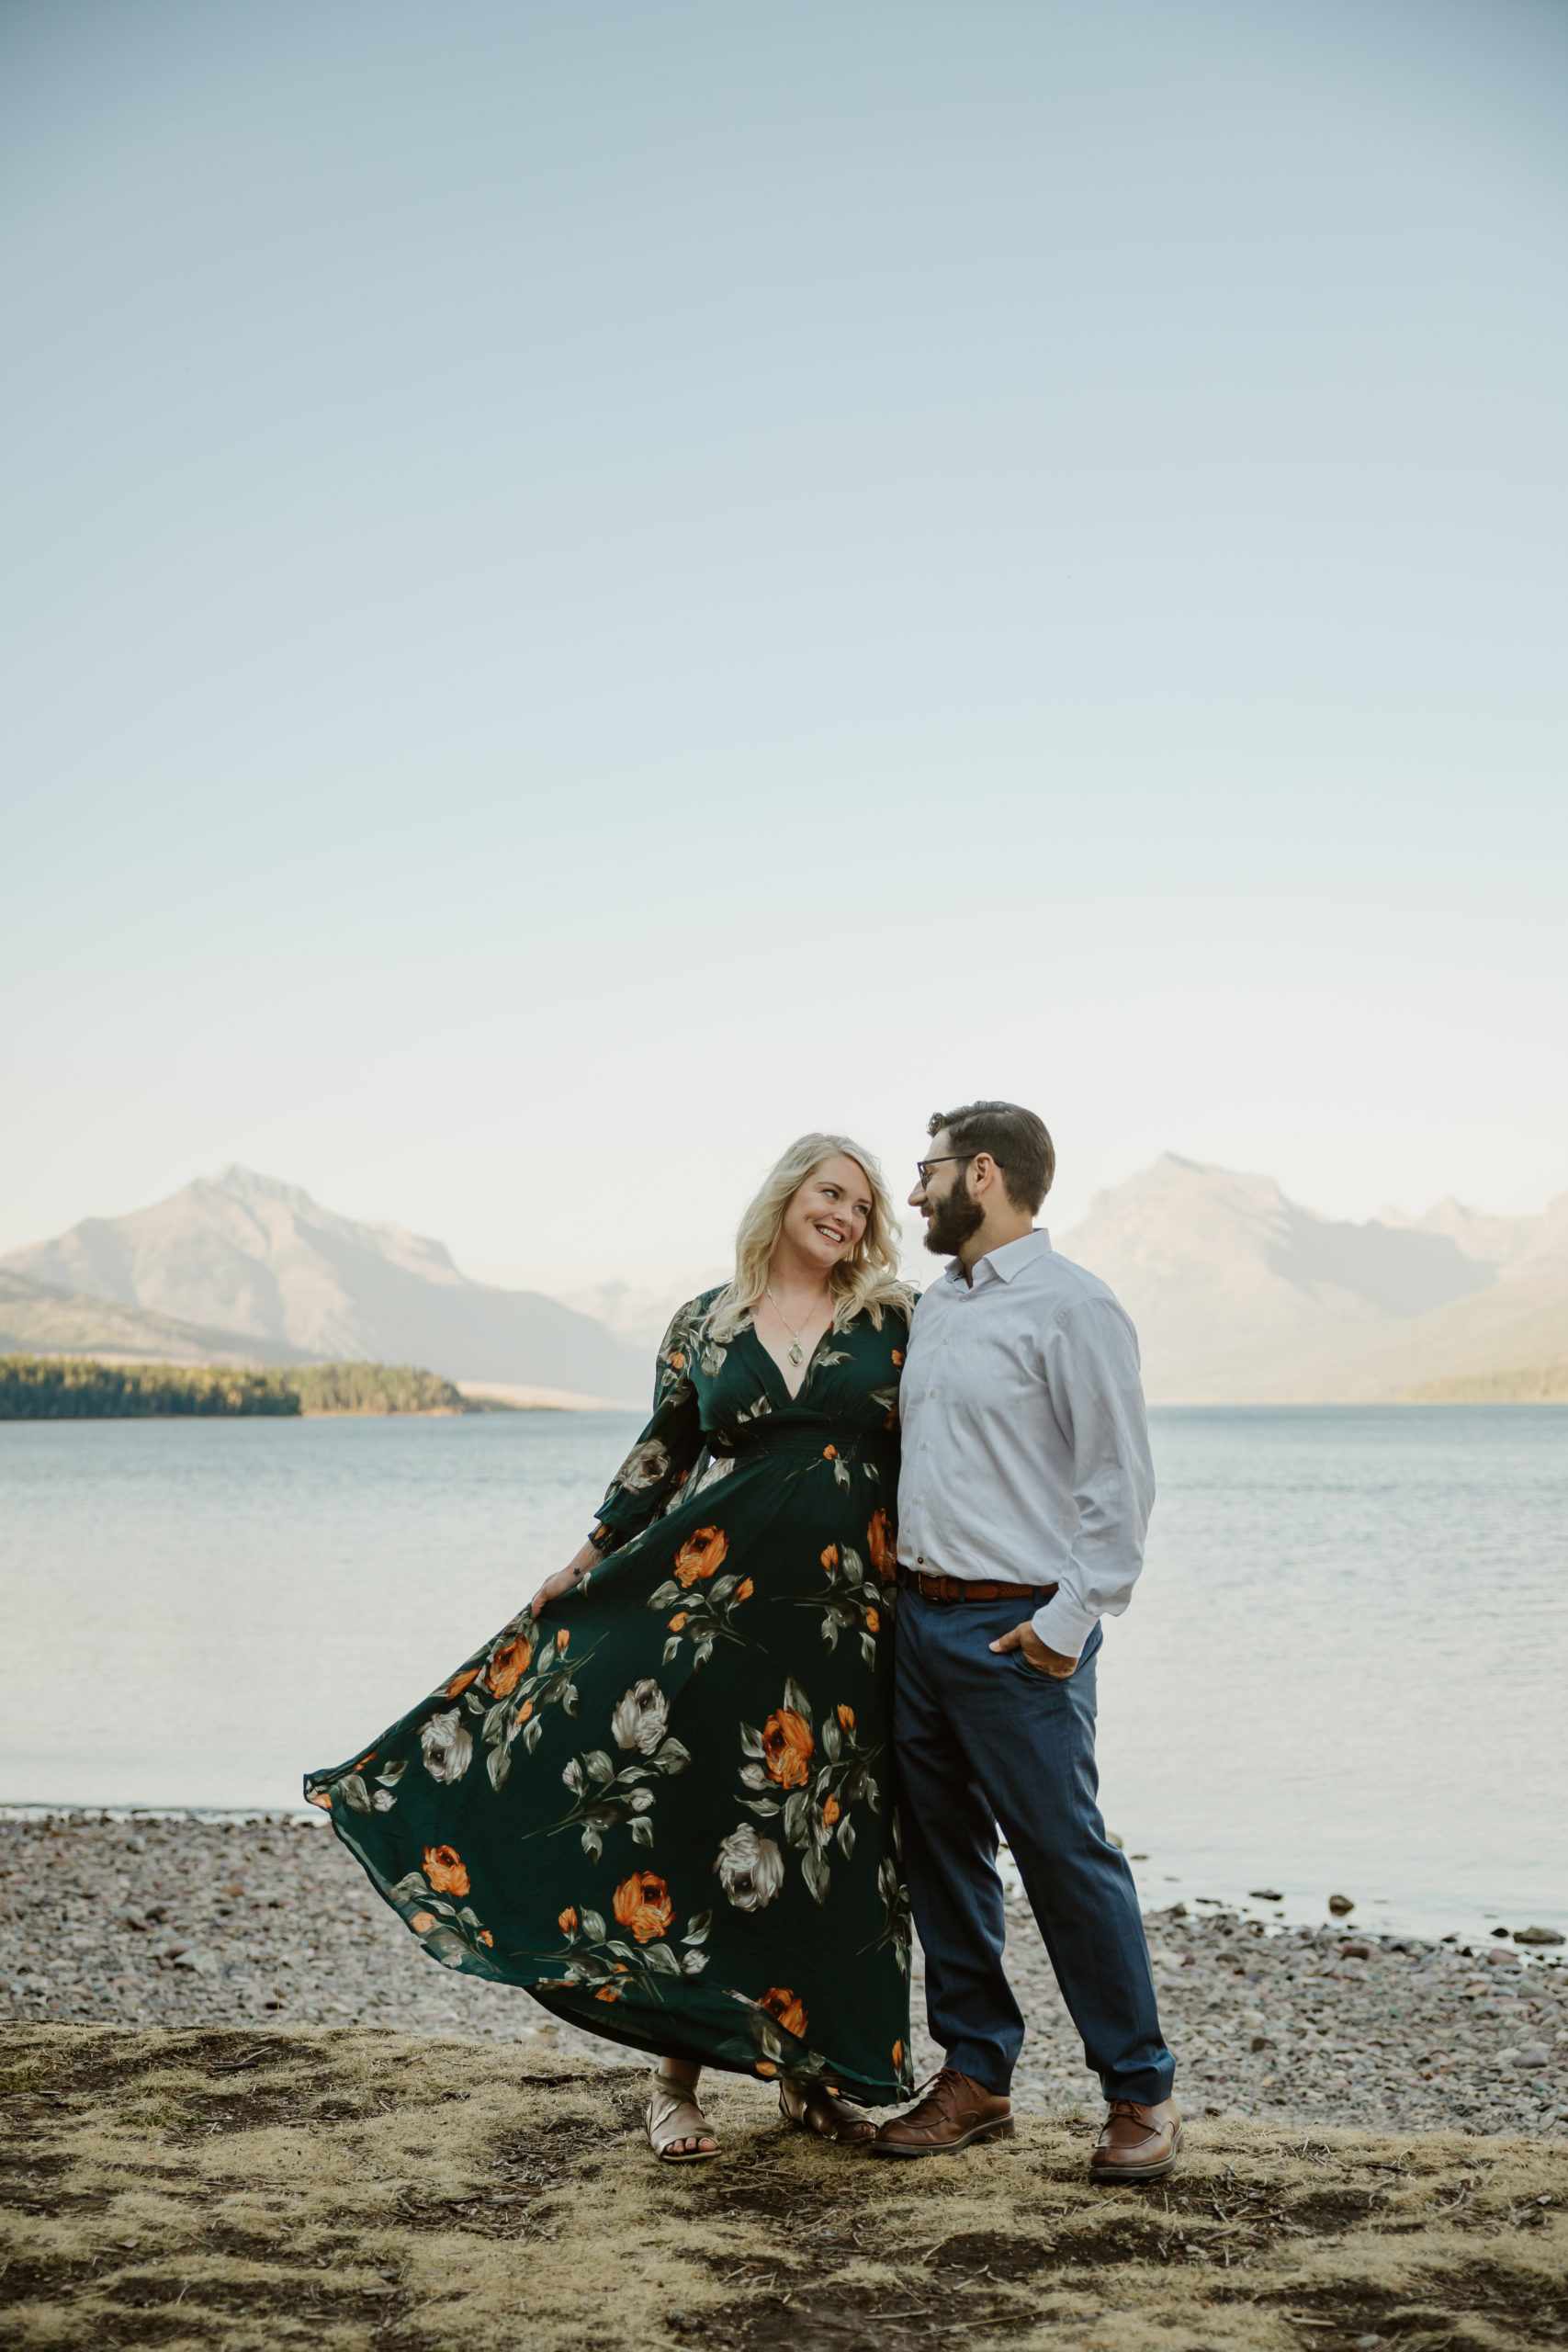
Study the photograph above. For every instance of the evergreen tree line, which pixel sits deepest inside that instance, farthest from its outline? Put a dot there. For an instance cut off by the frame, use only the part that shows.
(76, 1388)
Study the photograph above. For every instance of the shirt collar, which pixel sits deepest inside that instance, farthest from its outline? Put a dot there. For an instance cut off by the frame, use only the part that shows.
(1001, 1265)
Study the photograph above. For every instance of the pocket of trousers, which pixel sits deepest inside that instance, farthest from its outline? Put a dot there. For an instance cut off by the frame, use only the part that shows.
(1035, 1674)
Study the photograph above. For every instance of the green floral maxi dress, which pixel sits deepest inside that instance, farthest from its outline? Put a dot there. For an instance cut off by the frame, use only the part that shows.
(665, 1808)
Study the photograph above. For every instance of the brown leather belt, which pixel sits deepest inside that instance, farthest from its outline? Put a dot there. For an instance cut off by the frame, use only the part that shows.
(967, 1589)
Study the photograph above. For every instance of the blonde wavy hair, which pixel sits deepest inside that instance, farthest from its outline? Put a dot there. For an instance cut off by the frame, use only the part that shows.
(866, 1280)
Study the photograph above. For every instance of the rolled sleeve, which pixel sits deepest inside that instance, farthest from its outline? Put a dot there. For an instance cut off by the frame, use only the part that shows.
(1092, 1372)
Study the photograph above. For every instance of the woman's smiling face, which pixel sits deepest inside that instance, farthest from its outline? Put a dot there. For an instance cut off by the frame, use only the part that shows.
(828, 1215)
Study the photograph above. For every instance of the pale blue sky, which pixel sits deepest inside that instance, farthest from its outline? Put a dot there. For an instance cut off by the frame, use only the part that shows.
(586, 587)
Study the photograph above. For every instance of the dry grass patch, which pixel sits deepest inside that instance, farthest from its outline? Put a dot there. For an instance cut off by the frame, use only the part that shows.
(215, 2191)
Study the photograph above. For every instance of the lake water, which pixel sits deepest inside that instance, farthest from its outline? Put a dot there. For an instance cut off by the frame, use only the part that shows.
(1344, 1669)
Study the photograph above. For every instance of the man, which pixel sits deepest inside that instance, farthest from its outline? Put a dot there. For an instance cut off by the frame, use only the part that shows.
(1022, 1504)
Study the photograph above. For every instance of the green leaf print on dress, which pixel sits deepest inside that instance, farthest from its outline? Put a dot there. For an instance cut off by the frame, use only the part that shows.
(853, 1602)
(707, 1612)
(606, 1797)
(663, 1806)
(813, 1813)
(603, 1963)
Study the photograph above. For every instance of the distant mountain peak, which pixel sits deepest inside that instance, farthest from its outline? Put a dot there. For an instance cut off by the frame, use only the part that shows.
(1209, 1260)
(1505, 1243)
(247, 1253)
(252, 1190)
(248, 1185)
(239, 1178)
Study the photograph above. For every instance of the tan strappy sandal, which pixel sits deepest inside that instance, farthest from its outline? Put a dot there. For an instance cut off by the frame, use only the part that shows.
(665, 2101)
(812, 2108)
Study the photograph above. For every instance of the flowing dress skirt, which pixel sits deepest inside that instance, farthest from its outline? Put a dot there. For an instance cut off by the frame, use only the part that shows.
(665, 1806)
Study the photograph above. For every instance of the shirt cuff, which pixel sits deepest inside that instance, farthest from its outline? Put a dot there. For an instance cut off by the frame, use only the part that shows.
(1065, 1625)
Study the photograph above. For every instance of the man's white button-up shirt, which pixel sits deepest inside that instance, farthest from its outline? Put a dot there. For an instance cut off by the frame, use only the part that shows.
(1026, 1446)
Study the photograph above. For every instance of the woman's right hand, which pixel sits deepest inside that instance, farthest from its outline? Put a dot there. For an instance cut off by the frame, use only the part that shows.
(564, 1580)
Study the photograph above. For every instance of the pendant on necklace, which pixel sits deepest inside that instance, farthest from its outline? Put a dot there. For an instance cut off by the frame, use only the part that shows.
(794, 1351)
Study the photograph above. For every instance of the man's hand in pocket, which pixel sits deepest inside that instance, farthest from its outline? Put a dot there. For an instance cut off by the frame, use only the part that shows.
(1024, 1637)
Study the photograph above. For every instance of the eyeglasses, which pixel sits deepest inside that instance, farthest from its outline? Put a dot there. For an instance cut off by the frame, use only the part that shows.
(923, 1167)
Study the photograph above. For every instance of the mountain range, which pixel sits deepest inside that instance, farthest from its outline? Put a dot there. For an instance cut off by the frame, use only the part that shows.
(255, 1265)
(1241, 1295)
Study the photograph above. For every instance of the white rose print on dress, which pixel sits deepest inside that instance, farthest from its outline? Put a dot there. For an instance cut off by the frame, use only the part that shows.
(751, 1869)
(447, 1744)
(642, 1718)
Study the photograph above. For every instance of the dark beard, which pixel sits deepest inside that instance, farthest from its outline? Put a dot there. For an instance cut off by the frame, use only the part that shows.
(951, 1222)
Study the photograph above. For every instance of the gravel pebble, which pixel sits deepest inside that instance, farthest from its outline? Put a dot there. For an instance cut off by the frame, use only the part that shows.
(191, 1921)
(1285, 2022)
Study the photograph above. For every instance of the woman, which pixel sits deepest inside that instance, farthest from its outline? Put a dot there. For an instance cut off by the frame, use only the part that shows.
(660, 1798)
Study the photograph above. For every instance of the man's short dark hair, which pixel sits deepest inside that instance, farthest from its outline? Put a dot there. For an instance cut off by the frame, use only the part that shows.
(1017, 1140)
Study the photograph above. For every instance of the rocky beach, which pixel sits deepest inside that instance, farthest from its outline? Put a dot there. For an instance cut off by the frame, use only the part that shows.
(186, 1922)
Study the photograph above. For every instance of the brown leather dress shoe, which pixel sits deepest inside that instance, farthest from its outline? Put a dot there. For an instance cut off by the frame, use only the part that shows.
(1138, 2143)
(954, 2110)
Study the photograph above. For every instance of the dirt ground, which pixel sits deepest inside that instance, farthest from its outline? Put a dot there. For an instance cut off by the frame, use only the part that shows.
(215, 2190)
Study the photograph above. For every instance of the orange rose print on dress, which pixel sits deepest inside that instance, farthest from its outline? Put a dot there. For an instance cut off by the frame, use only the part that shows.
(444, 1869)
(897, 2053)
(872, 1620)
(702, 1555)
(787, 1748)
(897, 1356)
(846, 1718)
(561, 1640)
(831, 1558)
(678, 1362)
(829, 1453)
(642, 1904)
(460, 1682)
(423, 1922)
(508, 1667)
(567, 1921)
(322, 1799)
(744, 1591)
(787, 2006)
(830, 1811)
(884, 1551)
(765, 2067)
(678, 1620)
(485, 1936)
(608, 1993)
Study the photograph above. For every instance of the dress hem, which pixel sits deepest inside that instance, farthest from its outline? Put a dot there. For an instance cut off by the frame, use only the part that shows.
(867, 2092)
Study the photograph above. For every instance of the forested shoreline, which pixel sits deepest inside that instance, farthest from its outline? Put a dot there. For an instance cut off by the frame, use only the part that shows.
(79, 1388)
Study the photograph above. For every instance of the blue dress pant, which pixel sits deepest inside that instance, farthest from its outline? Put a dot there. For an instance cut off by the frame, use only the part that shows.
(981, 1740)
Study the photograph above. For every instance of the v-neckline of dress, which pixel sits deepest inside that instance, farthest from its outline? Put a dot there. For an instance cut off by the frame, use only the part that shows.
(776, 1369)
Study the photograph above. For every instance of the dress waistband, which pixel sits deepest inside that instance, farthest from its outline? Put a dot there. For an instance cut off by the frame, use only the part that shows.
(793, 1438)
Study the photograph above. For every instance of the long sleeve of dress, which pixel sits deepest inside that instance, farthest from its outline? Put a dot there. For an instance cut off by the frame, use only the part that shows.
(666, 1453)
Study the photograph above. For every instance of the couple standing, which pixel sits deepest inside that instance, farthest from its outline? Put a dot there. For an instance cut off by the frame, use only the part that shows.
(681, 1796)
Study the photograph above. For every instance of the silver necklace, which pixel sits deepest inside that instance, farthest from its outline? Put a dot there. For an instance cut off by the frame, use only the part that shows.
(795, 1351)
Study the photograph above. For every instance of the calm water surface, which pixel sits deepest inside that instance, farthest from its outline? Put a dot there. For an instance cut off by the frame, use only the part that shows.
(1344, 1668)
